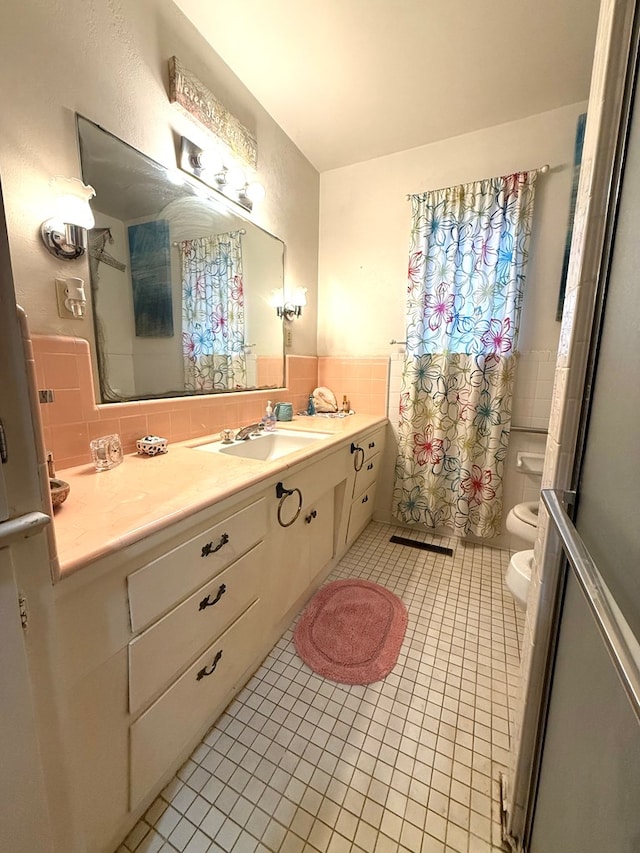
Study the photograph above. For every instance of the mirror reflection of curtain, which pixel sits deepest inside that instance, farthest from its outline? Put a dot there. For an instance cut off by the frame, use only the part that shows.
(213, 336)
(469, 250)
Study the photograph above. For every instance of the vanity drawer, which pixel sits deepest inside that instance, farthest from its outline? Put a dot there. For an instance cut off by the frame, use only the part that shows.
(160, 736)
(361, 512)
(170, 644)
(160, 585)
(367, 446)
(367, 474)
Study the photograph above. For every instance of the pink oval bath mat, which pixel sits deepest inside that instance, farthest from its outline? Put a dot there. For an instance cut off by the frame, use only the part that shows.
(351, 631)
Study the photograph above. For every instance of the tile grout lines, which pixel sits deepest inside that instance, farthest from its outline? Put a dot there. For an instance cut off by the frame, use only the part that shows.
(407, 765)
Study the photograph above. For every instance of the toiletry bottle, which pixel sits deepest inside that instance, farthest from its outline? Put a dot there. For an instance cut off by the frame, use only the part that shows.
(311, 408)
(269, 419)
(345, 404)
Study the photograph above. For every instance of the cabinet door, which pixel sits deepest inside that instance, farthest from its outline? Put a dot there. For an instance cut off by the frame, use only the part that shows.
(361, 512)
(300, 552)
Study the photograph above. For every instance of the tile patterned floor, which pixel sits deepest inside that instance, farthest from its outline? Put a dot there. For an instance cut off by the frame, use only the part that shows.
(409, 764)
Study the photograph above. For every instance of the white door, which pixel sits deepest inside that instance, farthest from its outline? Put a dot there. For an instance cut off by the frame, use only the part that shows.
(24, 817)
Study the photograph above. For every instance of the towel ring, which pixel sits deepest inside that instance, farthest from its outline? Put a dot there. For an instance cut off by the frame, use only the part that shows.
(283, 494)
(357, 450)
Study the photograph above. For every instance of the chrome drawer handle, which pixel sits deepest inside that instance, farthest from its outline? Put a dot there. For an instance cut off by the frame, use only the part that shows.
(209, 670)
(207, 602)
(210, 548)
(370, 466)
(365, 499)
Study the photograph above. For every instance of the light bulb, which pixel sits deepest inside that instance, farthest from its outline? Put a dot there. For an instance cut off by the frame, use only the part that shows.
(210, 160)
(255, 191)
(236, 178)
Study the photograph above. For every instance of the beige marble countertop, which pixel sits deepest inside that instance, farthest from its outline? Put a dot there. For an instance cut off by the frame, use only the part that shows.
(108, 510)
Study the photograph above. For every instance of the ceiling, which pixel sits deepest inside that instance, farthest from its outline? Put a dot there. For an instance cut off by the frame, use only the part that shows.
(350, 80)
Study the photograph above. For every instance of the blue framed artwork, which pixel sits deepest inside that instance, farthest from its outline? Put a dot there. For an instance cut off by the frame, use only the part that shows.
(577, 159)
(149, 250)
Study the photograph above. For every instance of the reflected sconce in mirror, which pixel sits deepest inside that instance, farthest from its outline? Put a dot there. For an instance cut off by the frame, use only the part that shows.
(220, 172)
(65, 234)
(290, 303)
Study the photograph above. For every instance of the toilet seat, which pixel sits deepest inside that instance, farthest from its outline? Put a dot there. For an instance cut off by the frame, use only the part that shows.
(522, 521)
(527, 512)
(518, 576)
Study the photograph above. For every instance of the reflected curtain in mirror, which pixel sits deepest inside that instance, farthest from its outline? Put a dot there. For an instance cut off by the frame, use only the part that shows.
(213, 333)
(469, 249)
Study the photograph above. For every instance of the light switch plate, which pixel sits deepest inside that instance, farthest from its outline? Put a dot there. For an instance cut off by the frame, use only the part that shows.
(288, 338)
(61, 295)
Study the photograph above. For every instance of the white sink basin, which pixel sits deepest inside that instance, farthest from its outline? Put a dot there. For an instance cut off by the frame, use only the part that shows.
(266, 446)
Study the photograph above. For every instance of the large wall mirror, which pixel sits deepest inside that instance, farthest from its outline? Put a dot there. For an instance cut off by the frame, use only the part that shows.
(181, 281)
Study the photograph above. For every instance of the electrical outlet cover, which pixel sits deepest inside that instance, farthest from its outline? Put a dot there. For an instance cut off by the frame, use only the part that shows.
(61, 295)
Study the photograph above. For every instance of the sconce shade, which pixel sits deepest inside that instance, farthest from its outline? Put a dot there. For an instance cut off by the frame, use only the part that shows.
(289, 304)
(65, 234)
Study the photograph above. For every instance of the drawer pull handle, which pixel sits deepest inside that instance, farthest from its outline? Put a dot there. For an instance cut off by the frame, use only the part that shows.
(365, 499)
(207, 602)
(209, 670)
(372, 444)
(370, 466)
(313, 514)
(355, 449)
(210, 548)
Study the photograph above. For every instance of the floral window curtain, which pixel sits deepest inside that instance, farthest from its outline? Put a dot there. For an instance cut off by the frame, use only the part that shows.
(213, 342)
(469, 248)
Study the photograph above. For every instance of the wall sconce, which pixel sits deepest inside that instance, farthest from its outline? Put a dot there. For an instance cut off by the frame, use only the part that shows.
(221, 172)
(289, 304)
(65, 234)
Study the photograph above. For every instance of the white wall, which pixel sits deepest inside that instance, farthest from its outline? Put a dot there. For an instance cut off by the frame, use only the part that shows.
(365, 221)
(108, 61)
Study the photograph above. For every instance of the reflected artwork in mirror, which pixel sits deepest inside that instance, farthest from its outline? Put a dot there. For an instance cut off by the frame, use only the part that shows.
(181, 281)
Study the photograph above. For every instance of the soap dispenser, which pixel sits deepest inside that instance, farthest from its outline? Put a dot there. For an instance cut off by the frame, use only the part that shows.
(269, 419)
(311, 406)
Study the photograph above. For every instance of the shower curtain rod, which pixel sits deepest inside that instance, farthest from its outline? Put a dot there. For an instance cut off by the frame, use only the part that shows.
(240, 231)
(542, 170)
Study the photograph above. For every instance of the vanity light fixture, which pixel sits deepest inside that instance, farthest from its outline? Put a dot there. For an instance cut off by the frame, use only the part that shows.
(220, 171)
(65, 234)
(289, 304)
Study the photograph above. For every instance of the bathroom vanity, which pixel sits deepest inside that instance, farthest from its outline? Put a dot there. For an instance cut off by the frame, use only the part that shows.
(177, 575)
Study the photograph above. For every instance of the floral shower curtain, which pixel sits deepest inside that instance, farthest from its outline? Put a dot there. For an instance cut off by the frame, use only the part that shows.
(469, 248)
(213, 342)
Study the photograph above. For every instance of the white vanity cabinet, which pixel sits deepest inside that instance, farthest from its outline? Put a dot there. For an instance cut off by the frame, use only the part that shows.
(159, 637)
(156, 646)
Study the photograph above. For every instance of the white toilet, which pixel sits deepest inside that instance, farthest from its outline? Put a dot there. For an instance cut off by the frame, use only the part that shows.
(522, 521)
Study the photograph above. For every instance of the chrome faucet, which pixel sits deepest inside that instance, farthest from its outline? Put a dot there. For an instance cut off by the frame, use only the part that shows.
(244, 433)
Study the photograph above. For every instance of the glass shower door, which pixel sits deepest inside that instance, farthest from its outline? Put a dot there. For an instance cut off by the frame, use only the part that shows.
(588, 797)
